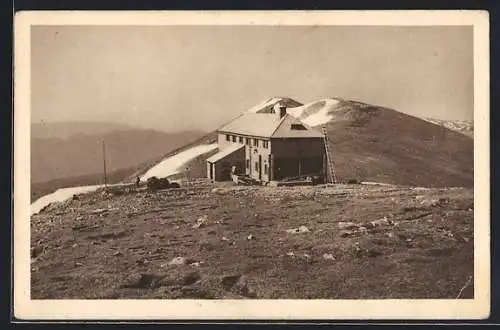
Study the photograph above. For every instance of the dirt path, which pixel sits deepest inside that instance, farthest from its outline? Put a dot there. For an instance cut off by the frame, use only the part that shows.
(241, 242)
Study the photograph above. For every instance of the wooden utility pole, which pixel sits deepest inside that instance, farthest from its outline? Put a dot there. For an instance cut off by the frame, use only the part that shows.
(104, 164)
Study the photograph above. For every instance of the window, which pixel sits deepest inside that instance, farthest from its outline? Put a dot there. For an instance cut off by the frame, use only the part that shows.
(248, 163)
(265, 144)
(228, 137)
(234, 138)
(241, 139)
(298, 127)
(265, 169)
(247, 141)
(256, 142)
(256, 166)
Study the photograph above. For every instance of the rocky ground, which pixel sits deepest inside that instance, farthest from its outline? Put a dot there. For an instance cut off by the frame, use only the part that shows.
(347, 241)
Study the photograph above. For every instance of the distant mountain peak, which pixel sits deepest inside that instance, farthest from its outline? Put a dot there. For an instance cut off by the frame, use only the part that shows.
(267, 105)
(462, 126)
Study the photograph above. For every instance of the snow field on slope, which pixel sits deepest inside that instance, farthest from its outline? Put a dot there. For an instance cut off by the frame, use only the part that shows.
(173, 164)
(60, 195)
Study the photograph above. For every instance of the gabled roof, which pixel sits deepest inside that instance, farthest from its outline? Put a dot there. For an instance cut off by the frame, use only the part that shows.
(225, 152)
(270, 126)
(285, 130)
(255, 124)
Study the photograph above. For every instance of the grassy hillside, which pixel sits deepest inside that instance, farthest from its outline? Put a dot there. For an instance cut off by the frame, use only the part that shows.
(419, 243)
(371, 143)
(379, 144)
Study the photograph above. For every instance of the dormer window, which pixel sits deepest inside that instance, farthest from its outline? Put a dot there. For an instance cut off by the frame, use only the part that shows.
(298, 127)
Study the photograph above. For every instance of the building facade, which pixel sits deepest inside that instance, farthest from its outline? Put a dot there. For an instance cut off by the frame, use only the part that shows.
(267, 147)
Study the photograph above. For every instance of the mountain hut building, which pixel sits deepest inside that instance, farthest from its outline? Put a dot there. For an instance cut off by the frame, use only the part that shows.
(267, 147)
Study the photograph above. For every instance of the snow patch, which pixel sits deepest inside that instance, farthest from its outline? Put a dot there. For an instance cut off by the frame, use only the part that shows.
(264, 104)
(319, 118)
(296, 112)
(172, 165)
(60, 195)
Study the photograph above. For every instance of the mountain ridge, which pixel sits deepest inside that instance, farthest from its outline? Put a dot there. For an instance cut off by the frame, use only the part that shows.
(374, 143)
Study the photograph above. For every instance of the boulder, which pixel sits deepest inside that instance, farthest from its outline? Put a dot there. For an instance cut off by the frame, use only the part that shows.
(299, 230)
(346, 225)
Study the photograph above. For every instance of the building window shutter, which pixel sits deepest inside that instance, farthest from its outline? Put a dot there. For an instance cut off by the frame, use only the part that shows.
(228, 138)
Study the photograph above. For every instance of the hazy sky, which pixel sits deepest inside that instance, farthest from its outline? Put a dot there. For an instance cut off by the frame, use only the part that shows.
(184, 77)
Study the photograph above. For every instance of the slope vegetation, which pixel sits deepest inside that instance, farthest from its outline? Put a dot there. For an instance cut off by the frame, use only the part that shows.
(373, 143)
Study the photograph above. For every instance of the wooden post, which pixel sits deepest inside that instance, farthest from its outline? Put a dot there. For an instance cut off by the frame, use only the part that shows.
(270, 171)
(104, 164)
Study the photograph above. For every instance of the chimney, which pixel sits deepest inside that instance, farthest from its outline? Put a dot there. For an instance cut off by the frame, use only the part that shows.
(280, 109)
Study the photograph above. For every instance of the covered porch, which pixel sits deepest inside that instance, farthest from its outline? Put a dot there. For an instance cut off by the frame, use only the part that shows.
(219, 165)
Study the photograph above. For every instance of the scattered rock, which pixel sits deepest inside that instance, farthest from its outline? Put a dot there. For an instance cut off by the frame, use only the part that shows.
(78, 264)
(290, 254)
(346, 233)
(190, 278)
(219, 191)
(36, 251)
(98, 211)
(74, 245)
(142, 281)
(201, 221)
(328, 256)
(443, 201)
(177, 261)
(346, 225)
(380, 222)
(229, 281)
(117, 253)
(299, 230)
(250, 237)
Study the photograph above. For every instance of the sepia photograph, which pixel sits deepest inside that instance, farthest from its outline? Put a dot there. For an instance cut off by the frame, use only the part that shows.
(245, 165)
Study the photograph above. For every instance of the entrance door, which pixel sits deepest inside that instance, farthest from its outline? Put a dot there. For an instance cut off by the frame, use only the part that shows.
(260, 167)
(211, 171)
